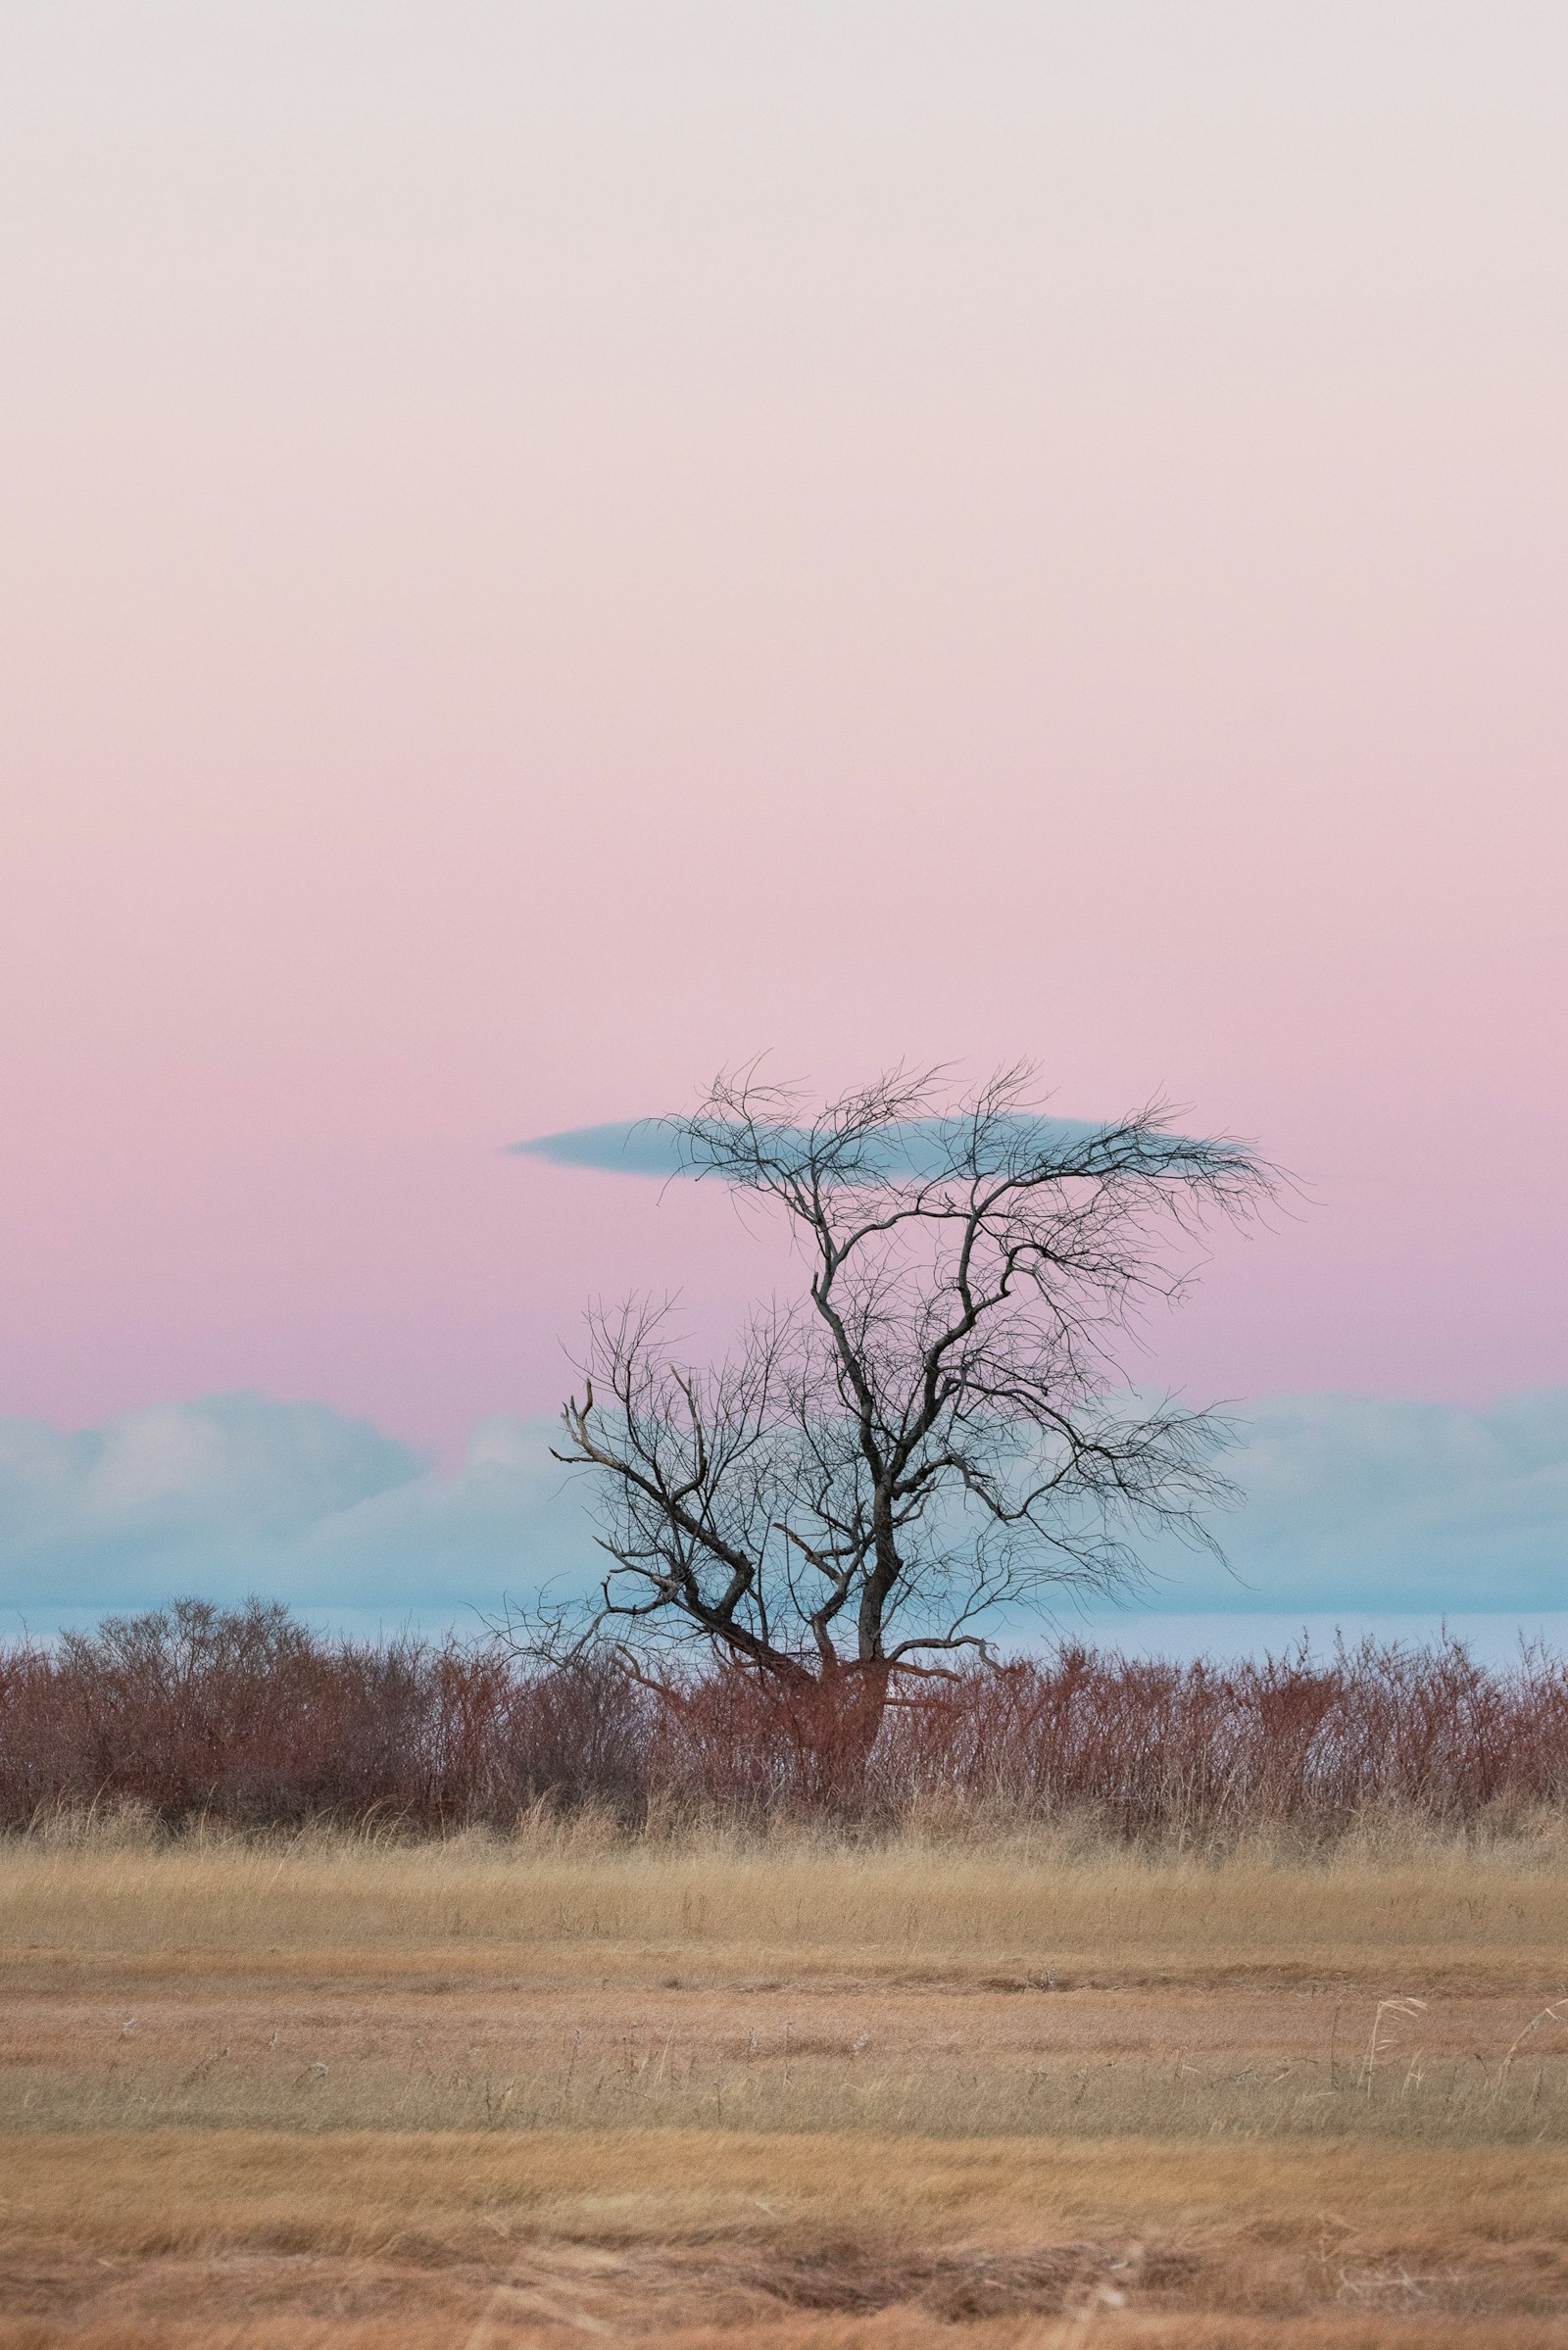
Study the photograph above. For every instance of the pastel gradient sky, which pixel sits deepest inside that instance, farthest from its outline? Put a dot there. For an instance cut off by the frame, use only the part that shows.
(549, 545)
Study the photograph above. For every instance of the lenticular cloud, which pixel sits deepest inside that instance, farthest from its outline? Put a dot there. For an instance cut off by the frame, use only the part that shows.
(919, 1149)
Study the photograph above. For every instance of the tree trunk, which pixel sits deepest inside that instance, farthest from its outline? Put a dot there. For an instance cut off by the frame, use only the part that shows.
(832, 1728)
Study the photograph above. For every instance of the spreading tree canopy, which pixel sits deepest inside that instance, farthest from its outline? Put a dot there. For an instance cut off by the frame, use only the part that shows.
(939, 1427)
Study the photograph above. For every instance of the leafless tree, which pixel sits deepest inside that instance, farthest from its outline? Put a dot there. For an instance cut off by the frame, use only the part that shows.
(939, 1429)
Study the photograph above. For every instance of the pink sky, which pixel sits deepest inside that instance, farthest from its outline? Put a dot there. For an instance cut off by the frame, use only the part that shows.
(548, 548)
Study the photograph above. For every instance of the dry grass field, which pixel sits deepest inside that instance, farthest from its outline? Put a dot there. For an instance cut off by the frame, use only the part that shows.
(1031, 2089)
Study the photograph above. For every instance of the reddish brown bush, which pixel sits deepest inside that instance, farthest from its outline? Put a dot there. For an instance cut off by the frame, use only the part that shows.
(247, 1716)
(1155, 1745)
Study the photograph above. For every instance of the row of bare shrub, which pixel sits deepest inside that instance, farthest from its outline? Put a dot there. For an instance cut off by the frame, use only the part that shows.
(248, 1717)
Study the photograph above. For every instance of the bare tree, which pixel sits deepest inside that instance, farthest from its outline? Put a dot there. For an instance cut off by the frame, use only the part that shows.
(939, 1428)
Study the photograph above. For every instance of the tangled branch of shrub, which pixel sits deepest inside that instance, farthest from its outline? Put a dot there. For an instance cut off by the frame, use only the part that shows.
(247, 1717)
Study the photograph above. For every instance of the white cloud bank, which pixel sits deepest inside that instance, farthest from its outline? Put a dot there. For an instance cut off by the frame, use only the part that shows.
(1356, 1506)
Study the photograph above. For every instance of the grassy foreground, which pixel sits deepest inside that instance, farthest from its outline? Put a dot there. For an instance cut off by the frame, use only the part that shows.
(1028, 2091)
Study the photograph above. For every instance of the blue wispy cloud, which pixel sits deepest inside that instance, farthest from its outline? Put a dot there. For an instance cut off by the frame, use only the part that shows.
(625, 1146)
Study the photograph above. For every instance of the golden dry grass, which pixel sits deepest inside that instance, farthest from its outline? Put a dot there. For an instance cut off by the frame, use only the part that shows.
(355, 2096)
(534, 2233)
(955, 1905)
